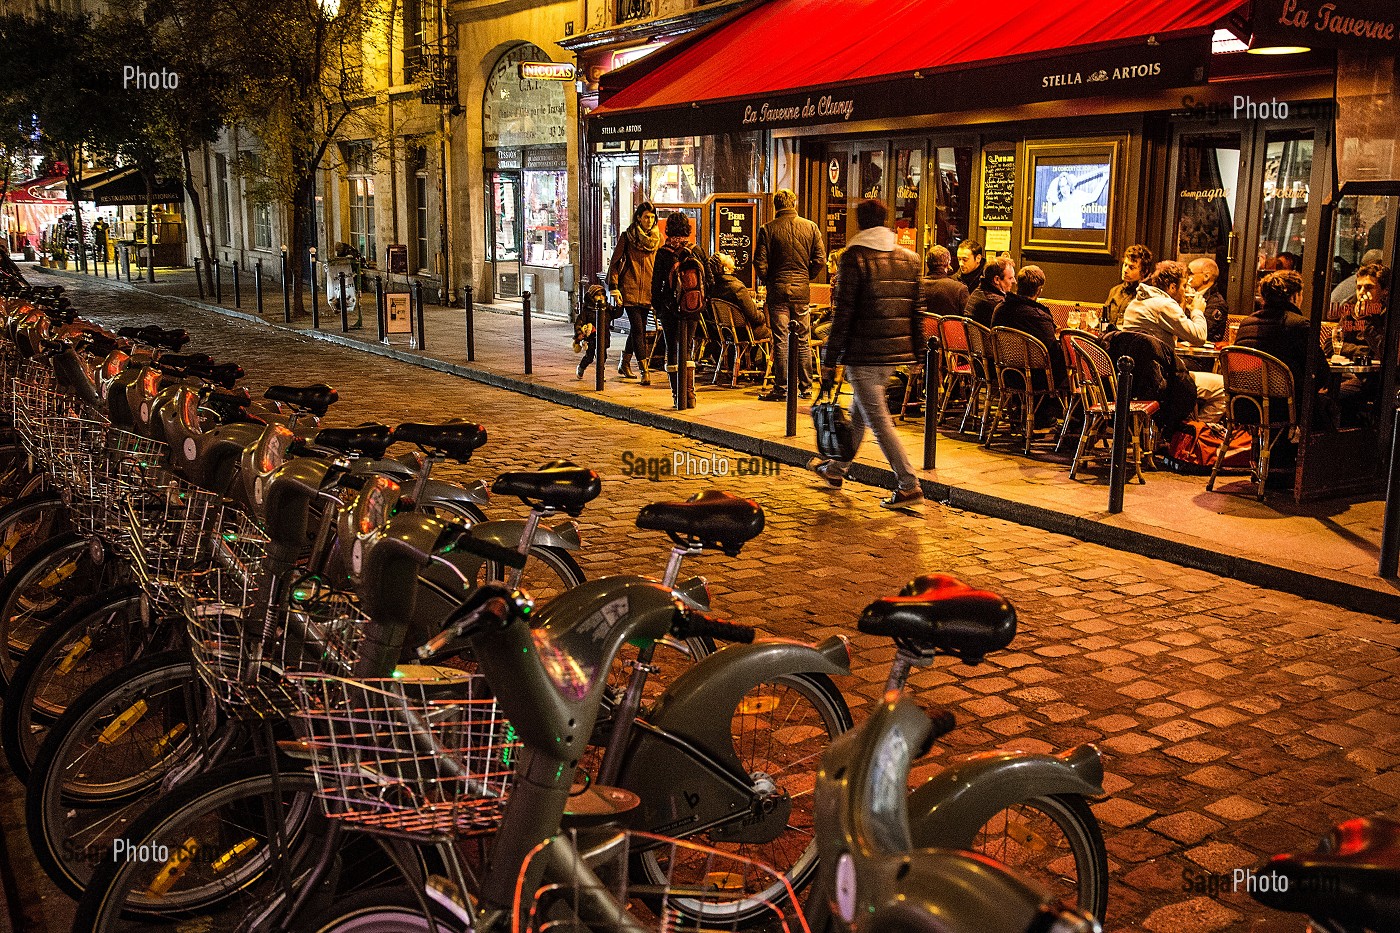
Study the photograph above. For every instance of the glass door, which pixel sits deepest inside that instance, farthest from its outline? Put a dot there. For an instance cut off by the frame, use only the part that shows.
(1207, 204)
(908, 195)
(503, 234)
(1283, 186)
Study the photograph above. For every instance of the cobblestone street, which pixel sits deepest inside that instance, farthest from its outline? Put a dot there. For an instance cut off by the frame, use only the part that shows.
(1235, 721)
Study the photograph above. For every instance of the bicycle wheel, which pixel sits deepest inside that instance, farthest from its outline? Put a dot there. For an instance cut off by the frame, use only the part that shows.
(15, 476)
(37, 591)
(105, 760)
(548, 572)
(384, 910)
(780, 731)
(26, 523)
(207, 849)
(1055, 842)
(83, 645)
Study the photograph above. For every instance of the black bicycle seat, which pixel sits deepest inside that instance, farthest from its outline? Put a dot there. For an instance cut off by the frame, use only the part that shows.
(937, 612)
(1353, 878)
(455, 439)
(153, 336)
(713, 519)
(178, 362)
(559, 484)
(315, 399)
(370, 440)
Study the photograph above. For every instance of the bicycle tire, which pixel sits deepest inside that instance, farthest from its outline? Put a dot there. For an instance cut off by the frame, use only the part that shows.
(548, 572)
(225, 809)
(26, 523)
(764, 740)
(141, 718)
(383, 910)
(37, 591)
(15, 475)
(1022, 842)
(83, 645)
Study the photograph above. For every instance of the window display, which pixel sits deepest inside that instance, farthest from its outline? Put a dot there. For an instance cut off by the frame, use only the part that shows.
(547, 218)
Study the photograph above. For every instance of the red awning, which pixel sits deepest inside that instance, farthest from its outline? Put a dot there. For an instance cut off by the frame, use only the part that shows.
(785, 45)
(50, 190)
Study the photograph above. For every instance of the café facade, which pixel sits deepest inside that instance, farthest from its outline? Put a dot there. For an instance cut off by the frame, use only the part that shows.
(1059, 131)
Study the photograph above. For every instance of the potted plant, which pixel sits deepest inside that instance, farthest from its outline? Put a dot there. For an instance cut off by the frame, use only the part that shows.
(60, 256)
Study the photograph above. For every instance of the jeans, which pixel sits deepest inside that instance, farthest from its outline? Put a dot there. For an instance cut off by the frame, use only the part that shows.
(636, 332)
(778, 316)
(868, 408)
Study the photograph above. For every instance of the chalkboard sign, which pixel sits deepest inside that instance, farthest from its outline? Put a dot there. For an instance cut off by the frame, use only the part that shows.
(735, 231)
(998, 187)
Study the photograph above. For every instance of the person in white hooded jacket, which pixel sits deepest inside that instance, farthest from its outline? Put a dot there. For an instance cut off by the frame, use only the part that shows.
(1158, 311)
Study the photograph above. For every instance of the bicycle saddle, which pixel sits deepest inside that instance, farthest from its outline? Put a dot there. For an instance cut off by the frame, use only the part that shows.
(154, 336)
(937, 612)
(370, 440)
(455, 439)
(559, 484)
(315, 399)
(713, 519)
(1352, 878)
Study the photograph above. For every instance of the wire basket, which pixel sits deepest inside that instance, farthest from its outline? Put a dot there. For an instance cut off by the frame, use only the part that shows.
(247, 655)
(80, 469)
(548, 904)
(9, 368)
(424, 753)
(38, 403)
(172, 530)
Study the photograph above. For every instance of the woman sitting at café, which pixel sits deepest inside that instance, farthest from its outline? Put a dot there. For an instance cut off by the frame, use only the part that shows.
(1280, 331)
(727, 287)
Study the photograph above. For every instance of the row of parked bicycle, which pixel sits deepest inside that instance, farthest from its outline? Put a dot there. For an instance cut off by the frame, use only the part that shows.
(262, 674)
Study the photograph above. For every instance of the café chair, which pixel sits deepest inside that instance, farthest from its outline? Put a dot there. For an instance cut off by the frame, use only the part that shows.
(737, 340)
(1096, 381)
(1258, 399)
(959, 377)
(1074, 402)
(981, 352)
(1024, 374)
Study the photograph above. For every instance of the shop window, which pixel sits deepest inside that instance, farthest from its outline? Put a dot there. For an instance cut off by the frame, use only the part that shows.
(1284, 220)
(953, 195)
(1361, 227)
(505, 227)
(1207, 181)
(909, 178)
(547, 218)
(225, 208)
(872, 173)
(671, 170)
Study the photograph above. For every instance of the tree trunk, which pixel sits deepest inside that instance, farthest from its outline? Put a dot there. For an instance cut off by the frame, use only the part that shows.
(150, 227)
(197, 208)
(77, 217)
(302, 218)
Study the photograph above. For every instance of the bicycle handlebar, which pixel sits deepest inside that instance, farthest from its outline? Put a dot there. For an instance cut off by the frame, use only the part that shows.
(693, 623)
(491, 606)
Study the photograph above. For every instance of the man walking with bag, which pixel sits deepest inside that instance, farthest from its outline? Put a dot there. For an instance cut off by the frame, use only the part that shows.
(788, 255)
(876, 328)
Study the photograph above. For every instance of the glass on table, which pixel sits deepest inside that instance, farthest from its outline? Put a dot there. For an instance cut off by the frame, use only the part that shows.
(1091, 318)
(1076, 320)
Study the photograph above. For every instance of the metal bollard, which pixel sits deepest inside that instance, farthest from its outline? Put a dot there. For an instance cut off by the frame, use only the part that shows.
(932, 381)
(344, 307)
(600, 344)
(286, 291)
(1122, 423)
(469, 306)
(529, 350)
(315, 288)
(104, 265)
(417, 338)
(126, 261)
(379, 317)
(198, 279)
(1390, 526)
(237, 290)
(257, 284)
(792, 377)
(218, 282)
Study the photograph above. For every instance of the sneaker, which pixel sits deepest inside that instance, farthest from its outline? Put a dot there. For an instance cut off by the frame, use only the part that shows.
(826, 469)
(773, 395)
(582, 368)
(805, 394)
(905, 499)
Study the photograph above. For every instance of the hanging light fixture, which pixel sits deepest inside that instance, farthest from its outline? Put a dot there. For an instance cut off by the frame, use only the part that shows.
(1256, 47)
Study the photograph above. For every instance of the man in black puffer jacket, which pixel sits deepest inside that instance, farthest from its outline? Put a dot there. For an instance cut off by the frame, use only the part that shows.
(875, 328)
(788, 255)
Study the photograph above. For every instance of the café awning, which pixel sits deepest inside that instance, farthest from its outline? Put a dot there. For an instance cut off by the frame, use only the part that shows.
(51, 189)
(127, 186)
(811, 62)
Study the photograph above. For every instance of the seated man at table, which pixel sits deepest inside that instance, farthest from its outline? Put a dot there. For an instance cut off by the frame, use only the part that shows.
(1362, 327)
(944, 294)
(998, 278)
(1279, 330)
(1021, 311)
(1137, 261)
(1157, 310)
(727, 287)
(1206, 297)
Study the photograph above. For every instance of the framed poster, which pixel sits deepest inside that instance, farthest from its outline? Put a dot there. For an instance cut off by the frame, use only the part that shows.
(1070, 190)
(998, 187)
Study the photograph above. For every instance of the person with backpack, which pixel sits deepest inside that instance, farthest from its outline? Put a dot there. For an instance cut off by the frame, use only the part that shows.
(678, 294)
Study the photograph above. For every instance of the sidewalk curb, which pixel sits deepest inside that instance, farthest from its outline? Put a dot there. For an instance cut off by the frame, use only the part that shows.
(1295, 580)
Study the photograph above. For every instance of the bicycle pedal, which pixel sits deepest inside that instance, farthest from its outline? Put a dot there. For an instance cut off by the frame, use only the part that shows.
(446, 893)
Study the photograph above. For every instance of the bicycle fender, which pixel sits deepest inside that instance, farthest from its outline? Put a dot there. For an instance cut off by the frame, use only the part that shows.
(474, 492)
(950, 807)
(507, 532)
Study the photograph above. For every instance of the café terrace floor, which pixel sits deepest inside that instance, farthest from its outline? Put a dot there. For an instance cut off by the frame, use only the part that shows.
(1325, 550)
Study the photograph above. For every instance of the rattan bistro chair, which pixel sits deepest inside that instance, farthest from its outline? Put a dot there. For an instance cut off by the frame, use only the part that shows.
(981, 352)
(1096, 382)
(736, 339)
(1258, 390)
(959, 379)
(1020, 359)
(1075, 401)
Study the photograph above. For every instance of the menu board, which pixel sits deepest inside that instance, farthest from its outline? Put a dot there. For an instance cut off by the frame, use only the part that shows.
(736, 225)
(998, 187)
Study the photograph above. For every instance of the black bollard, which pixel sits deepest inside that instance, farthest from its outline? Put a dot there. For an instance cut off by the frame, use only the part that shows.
(198, 279)
(257, 284)
(1122, 424)
(237, 290)
(379, 321)
(793, 380)
(286, 291)
(104, 264)
(126, 261)
(600, 344)
(932, 381)
(218, 282)
(469, 308)
(315, 286)
(1390, 526)
(344, 307)
(417, 339)
(529, 350)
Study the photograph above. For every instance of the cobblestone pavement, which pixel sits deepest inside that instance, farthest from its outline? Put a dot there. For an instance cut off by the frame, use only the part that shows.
(1234, 721)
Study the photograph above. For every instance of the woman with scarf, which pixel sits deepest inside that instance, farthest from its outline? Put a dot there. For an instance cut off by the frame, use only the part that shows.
(629, 283)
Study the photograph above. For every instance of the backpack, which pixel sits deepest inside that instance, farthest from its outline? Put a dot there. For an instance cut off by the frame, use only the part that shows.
(687, 283)
(1196, 445)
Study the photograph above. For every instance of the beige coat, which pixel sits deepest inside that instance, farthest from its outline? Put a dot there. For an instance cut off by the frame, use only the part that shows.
(629, 270)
